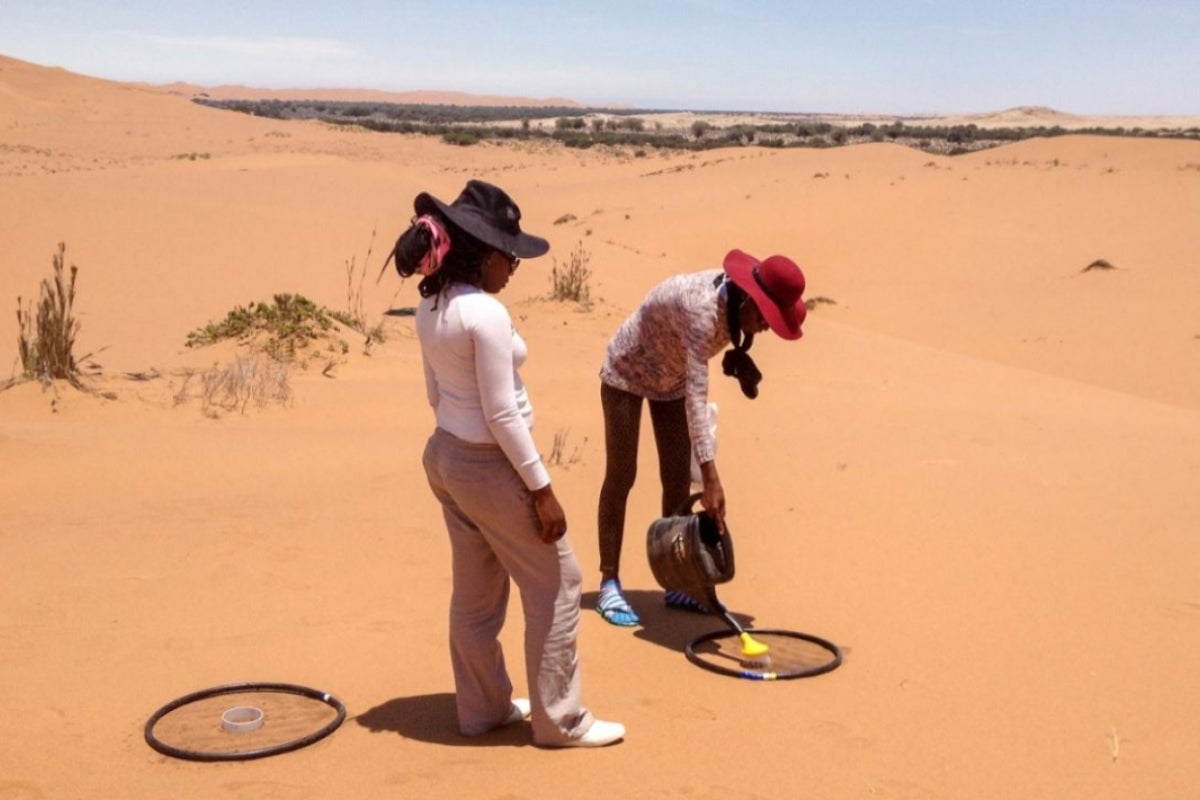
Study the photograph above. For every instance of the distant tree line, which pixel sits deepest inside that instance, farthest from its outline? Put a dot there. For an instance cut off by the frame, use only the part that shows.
(467, 125)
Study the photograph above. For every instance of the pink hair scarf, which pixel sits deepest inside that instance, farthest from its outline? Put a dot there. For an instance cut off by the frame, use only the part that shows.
(439, 244)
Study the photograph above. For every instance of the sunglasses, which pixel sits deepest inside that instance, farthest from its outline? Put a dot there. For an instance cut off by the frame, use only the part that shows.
(512, 261)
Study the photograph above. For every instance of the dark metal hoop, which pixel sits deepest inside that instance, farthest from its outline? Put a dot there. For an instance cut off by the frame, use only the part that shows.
(236, 688)
(749, 674)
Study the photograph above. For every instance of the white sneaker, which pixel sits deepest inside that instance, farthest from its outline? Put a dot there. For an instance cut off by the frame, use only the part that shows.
(600, 734)
(521, 709)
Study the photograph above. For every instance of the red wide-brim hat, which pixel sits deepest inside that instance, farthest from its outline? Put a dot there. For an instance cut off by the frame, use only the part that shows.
(776, 286)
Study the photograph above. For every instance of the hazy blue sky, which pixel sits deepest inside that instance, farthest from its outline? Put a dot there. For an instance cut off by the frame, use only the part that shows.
(919, 56)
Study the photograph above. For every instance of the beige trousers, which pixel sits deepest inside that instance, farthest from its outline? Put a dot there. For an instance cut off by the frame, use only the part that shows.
(493, 532)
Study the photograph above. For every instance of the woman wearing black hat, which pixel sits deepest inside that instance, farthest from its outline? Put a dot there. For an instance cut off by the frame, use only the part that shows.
(483, 467)
(660, 354)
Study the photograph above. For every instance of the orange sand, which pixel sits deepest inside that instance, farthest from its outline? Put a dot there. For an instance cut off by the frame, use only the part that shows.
(977, 471)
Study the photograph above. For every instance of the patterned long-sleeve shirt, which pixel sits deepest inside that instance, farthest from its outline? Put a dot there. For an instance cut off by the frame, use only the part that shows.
(661, 352)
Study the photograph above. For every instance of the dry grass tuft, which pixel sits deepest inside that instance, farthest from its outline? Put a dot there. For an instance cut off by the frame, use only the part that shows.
(570, 283)
(355, 316)
(46, 340)
(813, 302)
(236, 386)
(559, 449)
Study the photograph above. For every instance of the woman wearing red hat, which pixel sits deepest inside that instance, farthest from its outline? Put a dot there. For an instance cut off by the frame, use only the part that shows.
(661, 354)
(503, 519)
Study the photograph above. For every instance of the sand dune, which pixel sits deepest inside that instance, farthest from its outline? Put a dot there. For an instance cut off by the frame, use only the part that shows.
(422, 97)
(977, 472)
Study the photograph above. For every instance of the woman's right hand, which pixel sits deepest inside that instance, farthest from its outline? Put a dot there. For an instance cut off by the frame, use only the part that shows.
(550, 513)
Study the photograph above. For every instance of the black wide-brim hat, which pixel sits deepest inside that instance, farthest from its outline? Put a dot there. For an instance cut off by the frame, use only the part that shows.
(487, 213)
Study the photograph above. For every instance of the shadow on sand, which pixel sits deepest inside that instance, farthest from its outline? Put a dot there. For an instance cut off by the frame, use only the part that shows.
(432, 718)
(667, 627)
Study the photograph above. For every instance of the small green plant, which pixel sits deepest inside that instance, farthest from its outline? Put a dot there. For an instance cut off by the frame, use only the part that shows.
(570, 282)
(280, 328)
(46, 341)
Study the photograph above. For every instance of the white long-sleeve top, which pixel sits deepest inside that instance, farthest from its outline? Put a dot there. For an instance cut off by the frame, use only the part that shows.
(472, 354)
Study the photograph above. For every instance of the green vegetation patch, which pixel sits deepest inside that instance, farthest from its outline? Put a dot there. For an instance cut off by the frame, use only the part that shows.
(579, 127)
(289, 323)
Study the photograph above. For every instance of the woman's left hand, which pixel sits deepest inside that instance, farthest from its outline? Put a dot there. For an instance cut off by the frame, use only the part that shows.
(550, 514)
(713, 498)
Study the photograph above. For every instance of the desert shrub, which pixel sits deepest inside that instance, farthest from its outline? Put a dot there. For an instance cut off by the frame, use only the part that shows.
(280, 328)
(570, 123)
(1099, 263)
(578, 141)
(570, 282)
(46, 341)
(461, 138)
